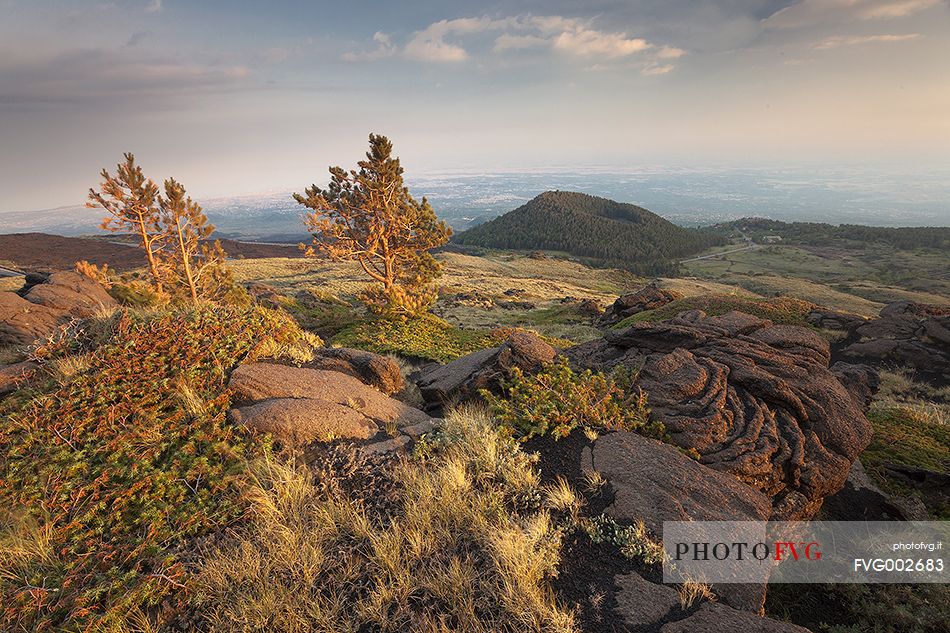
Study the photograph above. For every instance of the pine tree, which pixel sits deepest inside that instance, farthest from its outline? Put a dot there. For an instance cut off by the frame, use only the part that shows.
(368, 216)
(197, 265)
(130, 198)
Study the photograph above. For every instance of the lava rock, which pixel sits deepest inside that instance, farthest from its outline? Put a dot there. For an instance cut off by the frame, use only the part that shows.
(650, 297)
(462, 379)
(754, 399)
(379, 371)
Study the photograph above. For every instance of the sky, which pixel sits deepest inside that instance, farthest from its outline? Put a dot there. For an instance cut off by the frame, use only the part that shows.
(241, 96)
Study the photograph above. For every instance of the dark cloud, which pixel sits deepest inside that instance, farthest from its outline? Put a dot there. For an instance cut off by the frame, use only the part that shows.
(137, 38)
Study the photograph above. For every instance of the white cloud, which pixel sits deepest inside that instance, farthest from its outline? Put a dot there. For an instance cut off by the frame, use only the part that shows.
(154, 6)
(855, 40)
(450, 41)
(820, 12)
(590, 43)
(384, 48)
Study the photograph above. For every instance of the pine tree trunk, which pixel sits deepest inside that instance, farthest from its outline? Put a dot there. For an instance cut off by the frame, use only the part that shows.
(152, 264)
(186, 263)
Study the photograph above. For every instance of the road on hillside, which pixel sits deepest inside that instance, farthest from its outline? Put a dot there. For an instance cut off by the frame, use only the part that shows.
(735, 250)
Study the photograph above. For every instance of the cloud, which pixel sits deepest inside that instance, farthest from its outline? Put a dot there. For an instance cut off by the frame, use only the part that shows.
(384, 48)
(110, 77)
(136, 38)
(808, 13)
(154, 6)
(855, 40)
(452, 41)
(591, 43)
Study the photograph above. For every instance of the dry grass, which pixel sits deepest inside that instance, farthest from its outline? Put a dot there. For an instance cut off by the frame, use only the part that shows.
(10, 284)
(66, 368)
(298, 352)
(453, 558)
(691, 591)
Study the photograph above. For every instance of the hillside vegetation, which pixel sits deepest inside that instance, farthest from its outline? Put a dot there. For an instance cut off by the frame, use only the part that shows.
(819, 234)
(606, 232)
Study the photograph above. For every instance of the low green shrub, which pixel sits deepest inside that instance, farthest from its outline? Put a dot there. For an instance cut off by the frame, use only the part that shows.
(426, 337)
(557, 400)
(107, 476)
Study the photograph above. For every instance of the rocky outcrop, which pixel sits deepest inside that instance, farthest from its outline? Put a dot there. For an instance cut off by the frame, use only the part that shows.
(906, 333)
(75, 294)
(861, 381)
(47, 305)
(644, 606)
(461, 379)
(650, 297)
(301, 405)
(718, 618)
(381, 372)
(11, 376)
(834, 320)
(861, 500)
(654, 482)
(299, 421)
(754, 399)
(21, 322)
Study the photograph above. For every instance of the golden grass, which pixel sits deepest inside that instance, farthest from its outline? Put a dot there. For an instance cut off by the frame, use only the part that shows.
(691, 591)
(454, 558)
(10, 284)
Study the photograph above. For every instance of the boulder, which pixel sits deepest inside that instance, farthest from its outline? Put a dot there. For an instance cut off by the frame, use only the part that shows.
(861, 381)
(299, 421)
(906, 333)
(718, 618)
(71, 292)
(300, 405)
(650, 297)
(22, 322)
(861, 500)
(654, 482)
(12, 375)
(641, 603)
(461, 379)
(381, 372)
(754, 399)
(834, 320)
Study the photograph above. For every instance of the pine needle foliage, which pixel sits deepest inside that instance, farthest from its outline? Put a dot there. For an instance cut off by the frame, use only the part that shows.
(132, 202)
(557, 400)
(120, 465)
(196, 264)
(368, 216)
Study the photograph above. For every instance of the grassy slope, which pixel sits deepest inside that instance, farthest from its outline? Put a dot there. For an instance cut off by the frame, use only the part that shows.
(856, 280)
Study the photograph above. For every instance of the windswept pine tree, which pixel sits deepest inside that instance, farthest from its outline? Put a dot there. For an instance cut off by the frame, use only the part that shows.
(132, 202)
(196, 264)
(369, 216)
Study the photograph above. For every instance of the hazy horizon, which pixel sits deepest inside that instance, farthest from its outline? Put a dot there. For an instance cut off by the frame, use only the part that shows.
(233, 98)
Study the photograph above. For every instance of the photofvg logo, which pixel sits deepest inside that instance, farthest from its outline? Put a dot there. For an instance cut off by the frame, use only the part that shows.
(804, 552)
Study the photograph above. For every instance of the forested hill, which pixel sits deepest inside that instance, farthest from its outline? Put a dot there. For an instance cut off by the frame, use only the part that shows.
(816, 234)
(603, 231)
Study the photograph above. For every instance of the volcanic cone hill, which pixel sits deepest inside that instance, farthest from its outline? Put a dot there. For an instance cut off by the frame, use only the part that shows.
(606, 232)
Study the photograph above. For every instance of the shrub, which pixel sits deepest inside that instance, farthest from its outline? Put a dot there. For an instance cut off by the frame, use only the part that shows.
(449, 555)
(118, 466)
(425, 337)
(557, 400)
